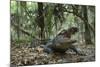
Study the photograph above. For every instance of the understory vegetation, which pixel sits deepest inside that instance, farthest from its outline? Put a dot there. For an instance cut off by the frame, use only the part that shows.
(34, 25)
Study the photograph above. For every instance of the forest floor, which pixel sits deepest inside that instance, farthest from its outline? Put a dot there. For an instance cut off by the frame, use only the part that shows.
(36, 56)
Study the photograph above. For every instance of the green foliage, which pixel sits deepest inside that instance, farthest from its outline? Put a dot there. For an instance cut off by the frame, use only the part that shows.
(70, 18)
(13, 7)
(56, 18)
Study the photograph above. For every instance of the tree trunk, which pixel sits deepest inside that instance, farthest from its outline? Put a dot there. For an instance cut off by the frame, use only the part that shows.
(40, 20)
(87, 35)
(17, 20)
